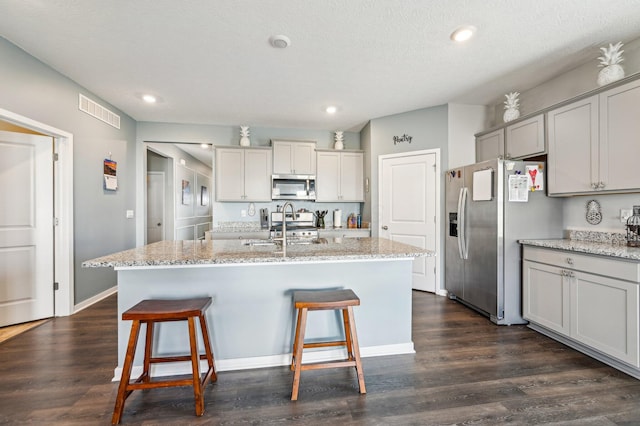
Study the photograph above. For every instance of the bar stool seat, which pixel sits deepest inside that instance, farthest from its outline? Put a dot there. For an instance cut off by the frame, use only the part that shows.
(305, 301)
(149, 312)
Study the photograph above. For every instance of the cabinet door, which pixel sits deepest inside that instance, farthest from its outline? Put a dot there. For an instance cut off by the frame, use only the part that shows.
(546, 296)
(257, 175)
(573, 147)
(490, 146)
(352, 176)
(304, 158)
(620, 137)
(282, 158)
(328, 176)
(605, 315)
(229, 174)
(525, 138)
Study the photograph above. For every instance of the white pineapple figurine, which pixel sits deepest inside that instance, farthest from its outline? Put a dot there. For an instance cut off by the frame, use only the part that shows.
(610, 61)
(511, 106)
(244, 136)
(339, 140)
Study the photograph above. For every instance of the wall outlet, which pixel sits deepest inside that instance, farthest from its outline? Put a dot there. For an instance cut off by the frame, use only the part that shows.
(243, 213)
(129, 214)
(625, 214)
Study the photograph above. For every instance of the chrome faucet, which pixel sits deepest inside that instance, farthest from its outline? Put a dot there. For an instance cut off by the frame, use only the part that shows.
(284, 226)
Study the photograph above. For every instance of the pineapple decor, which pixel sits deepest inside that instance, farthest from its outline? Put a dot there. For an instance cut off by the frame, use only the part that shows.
(511, 106)
(610, 61)
(244, 136)
(339, 140)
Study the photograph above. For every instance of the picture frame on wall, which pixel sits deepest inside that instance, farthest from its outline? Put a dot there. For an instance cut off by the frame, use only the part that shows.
(204, 196)
(186, 192)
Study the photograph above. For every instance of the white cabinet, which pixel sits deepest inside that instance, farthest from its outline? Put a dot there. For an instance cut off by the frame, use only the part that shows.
(294, 157)
(490, 146)
(344, 233)
(340, 176)
(573, 147)
(592, 300)
(546, 296)
(593, 143)
(525, 138)
(243, 174)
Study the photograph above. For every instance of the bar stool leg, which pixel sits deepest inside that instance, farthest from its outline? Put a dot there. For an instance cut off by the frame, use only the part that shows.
(211, 373)
(295, 341)
(146, 370)
(126, 373)
(298, 344)
(195, 367)
(347, 334)
(356, 350)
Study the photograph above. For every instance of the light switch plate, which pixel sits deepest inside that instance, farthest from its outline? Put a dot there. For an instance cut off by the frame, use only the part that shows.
(129, 214)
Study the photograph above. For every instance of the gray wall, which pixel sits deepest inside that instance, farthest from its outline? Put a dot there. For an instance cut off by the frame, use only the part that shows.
(230, 136)
(32, 89)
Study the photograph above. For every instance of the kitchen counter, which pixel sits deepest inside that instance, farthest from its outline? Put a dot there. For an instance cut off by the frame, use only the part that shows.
(252, 318)
(588, 247)
(217, 252)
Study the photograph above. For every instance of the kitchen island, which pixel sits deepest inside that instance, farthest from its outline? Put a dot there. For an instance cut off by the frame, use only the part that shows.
(252, 318)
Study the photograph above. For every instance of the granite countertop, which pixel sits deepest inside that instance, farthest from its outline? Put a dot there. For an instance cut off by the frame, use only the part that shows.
(225, 252)
(598, 243)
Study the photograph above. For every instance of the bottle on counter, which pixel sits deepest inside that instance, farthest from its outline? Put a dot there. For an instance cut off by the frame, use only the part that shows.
(359, 221)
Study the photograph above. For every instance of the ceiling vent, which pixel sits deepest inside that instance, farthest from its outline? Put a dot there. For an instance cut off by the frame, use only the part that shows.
(98, 111)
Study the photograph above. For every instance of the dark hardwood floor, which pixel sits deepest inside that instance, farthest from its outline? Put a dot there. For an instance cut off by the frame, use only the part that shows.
(465, 371)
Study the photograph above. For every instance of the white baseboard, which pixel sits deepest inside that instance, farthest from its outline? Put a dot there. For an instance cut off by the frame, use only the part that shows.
(95, 299)
(181, 368)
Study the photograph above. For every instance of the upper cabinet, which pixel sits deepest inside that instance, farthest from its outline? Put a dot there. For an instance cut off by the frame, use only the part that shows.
(593, 143)
(243, 174)
(294, 157)
(525, 138)
(340, 176)
(490, 146)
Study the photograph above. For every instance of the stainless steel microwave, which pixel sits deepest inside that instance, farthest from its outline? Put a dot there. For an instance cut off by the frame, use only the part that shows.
(293, 187)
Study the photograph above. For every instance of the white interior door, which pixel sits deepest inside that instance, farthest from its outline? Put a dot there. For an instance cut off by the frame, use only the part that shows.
(155, 206)
(408, 202)
(26, 227)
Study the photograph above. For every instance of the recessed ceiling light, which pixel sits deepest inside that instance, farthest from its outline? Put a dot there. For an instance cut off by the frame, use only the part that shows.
(463, 33)
(204, 145)
(279, 41)
(150, 99)
(331, 109)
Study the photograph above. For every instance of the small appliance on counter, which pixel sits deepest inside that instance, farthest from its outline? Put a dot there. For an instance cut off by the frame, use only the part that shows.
(264, 218)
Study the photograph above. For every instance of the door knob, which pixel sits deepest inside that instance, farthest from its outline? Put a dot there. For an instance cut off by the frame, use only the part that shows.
(385, 227)
(159, 224)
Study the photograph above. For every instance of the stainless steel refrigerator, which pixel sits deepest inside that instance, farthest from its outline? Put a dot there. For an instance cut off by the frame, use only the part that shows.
(489, 207)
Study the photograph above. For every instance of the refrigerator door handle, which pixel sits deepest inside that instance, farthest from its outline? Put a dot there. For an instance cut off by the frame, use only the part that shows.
(462, 213)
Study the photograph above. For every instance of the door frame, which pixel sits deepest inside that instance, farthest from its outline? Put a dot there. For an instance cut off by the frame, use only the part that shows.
(439, 290)
(62, 209)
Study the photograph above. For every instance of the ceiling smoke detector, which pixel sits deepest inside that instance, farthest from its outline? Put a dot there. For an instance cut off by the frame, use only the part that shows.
(280, 41)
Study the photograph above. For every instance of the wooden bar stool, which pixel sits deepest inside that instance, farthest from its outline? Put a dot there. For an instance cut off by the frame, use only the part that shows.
(149, 312)
(344, 300)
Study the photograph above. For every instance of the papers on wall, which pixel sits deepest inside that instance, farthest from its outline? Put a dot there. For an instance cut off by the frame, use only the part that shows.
(483, 185)
(518, 188)
(110, 178)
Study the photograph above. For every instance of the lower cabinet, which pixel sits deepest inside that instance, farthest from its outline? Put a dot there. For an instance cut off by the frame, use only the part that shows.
(588, 299)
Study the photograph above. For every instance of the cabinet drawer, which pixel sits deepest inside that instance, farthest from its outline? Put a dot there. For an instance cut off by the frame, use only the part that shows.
(620, 269)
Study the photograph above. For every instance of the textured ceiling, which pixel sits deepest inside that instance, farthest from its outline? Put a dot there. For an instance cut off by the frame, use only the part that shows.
(210, 62)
